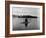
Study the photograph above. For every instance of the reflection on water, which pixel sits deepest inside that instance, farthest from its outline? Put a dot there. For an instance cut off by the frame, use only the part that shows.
(34, 24)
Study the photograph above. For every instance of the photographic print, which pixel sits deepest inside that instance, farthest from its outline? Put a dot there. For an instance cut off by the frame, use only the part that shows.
(25, 19)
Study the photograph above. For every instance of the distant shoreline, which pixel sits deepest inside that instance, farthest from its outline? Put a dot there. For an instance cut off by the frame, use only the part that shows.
(24, 16)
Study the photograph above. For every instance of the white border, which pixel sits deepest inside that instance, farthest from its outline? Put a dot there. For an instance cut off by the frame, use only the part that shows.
(27, 31)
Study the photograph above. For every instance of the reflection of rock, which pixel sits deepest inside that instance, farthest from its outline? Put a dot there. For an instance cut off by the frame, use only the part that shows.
(31, 26)
(25, 22)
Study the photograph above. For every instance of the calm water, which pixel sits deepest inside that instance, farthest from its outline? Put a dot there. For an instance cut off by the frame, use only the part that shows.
(33, 25)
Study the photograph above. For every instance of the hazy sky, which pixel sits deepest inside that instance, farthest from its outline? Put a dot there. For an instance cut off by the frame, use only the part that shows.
(26, 11)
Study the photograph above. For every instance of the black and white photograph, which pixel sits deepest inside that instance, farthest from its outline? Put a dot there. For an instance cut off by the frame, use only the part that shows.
(25, 18)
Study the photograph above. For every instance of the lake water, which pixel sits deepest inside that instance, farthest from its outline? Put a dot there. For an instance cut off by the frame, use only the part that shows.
(33, 25)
